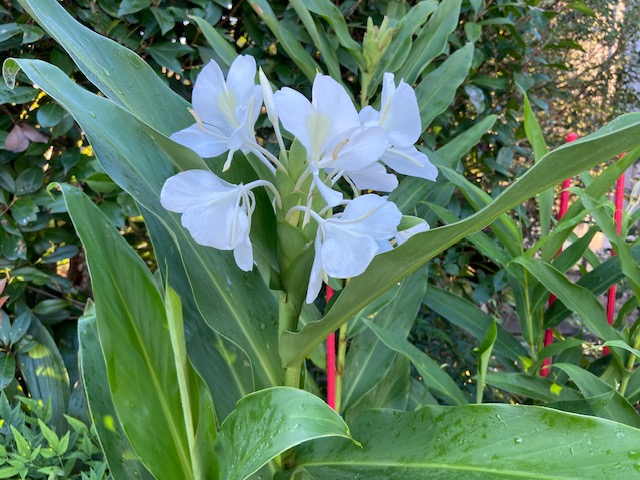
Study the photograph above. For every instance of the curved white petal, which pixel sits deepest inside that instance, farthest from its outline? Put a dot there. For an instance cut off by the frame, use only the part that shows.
(362, 148)
(388, 88)
(369, 116)
(315, 279)
(345, 255)
(267, 95)
(209, 85)
(243, 254)
(331, 99)
(331, 196)
(294, 109)
(241, 76)
(410, 161)
(218, 224)
(370, 215)
(207, 142)
(400, 117)
(193, 187)
(373, 177)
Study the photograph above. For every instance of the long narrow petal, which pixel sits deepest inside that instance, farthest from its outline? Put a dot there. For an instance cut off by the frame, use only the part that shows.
(207, 143)
(294, 109)
(315, 279)
(362, 148)
(400, 117)
(242, 74)
(331, 196)
(209, 86)
(193, 187)
(374, 177)
(410, 161)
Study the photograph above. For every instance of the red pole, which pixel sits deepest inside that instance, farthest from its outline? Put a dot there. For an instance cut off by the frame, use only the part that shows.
(331, 361)
(564, 205)
(617, 217)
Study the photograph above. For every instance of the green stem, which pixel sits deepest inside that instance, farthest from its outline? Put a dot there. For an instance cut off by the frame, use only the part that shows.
(342, 351)
(626, 373)
(364, 90)
(288, 322)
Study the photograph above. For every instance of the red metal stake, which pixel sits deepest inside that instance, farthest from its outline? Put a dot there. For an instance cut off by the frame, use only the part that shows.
(331, 361)
(617, 216)
(564, 205)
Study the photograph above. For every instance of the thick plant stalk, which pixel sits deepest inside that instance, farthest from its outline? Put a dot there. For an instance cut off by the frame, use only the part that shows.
(331, 360)
(564, 205)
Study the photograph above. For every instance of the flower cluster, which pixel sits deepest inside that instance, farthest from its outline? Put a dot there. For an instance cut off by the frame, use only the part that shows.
(340, 143)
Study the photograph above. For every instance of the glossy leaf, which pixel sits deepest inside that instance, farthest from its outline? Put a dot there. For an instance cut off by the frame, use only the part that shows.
(268, 423)
(532, 386)
(507, 442)
(123, 462)
(135, 341)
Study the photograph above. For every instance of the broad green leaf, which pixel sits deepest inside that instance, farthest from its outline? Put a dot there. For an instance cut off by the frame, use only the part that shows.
(387, 269)
(432, 41)
(135, 341)
(532, 386)
(118, 72)
(622, 345)
(507, 441)
(616, 408)
(484, 356)
(44, 372)
(123, 462)
(7, 369)
(436, 379)
(141, 168)
(270, 422)
(436, 91)
(466, 315)
(216, 41)
(575, 297)
(368, 359)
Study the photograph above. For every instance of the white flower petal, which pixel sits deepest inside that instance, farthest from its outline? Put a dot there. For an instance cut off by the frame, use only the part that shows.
(369, 116)
(410, 161)
(362, 148)
(209, 86)
(294, 109)
(243, 255)
(400, 117)
(315, 279)
(330, 98)
(193, 187)
(345, 255)
(242, 74)
(206, 143)
(267, 95)
(374, 177)
(331, 196)
(370, 215)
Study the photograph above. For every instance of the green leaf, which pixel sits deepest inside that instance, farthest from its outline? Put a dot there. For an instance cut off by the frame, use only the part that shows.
(118, 72)
(132, 6)
(484, 356)
(368, 359)
(387, 269)
(7, 369)
(581, 7)
(123, 461)
(135, 341)
(432, 41)
(531, 386)
(466, 315)
(23, 446)
(269, 422)
(164, 18)
(167, 53)
(220, 45)
(49, 435)
(436, 91)
(616, 407)
(44, 372)
(330, 12)
(507, 442)
(436, 379)
(49, 115)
